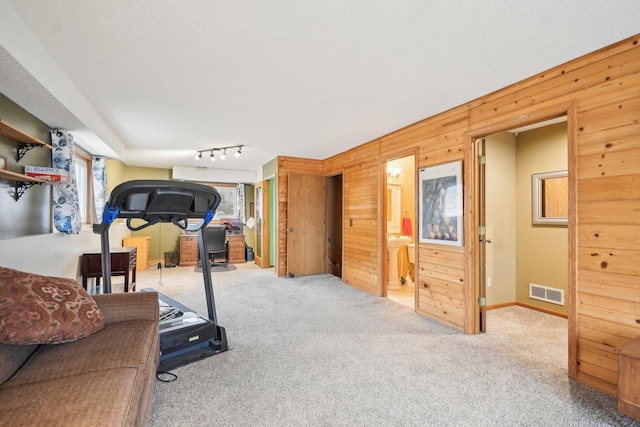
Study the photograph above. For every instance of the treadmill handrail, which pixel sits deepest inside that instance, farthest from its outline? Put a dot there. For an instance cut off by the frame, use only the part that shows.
(157, 201)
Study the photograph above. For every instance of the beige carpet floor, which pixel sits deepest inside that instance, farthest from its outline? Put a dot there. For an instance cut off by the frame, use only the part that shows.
(312, 351)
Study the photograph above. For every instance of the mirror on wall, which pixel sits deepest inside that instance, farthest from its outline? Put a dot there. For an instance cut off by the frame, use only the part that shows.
(550, 198)
(394, 206)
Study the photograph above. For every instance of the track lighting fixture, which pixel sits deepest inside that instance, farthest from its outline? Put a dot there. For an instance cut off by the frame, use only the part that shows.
(222, 150)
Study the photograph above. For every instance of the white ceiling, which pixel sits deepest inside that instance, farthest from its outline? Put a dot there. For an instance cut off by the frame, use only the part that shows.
(157, 80)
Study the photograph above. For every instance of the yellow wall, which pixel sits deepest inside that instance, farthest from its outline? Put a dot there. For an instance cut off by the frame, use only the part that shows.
(520, 253)
(500, 208)
(541, 252)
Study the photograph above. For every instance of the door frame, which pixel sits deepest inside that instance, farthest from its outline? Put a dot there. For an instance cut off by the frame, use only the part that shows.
(262, 258)
(473, 207)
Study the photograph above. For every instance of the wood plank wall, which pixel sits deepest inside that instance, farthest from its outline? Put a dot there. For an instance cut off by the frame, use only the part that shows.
(360, 169)
(599, 93)
(287, 165)
(442, 279)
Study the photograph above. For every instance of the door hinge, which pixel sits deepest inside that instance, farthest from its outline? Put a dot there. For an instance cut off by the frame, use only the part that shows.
(482, 301)
(482, 160)
(482, 230)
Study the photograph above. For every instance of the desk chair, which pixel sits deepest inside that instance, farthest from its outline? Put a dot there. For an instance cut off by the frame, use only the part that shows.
(216, 243)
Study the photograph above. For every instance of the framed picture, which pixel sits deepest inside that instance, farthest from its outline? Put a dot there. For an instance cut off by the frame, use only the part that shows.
(3, 162)
(550, 198)
(441, 210)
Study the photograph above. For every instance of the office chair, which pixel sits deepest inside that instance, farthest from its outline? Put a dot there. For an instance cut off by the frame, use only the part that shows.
(216, 243)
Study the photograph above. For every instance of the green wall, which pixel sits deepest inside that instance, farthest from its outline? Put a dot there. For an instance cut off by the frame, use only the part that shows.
(31, 214)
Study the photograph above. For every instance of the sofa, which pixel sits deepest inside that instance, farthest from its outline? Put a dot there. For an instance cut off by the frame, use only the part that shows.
(68, 358)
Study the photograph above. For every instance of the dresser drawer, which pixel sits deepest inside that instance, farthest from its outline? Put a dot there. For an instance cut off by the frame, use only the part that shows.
(188, 250)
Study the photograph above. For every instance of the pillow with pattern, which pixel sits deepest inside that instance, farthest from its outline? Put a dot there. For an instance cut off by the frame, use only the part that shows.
(37, 309)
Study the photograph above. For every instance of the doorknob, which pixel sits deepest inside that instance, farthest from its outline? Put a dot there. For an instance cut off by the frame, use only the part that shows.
(291, 230)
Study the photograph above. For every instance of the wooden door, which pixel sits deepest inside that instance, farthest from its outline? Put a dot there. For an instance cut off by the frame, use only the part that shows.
(305, 225)
(261, 252)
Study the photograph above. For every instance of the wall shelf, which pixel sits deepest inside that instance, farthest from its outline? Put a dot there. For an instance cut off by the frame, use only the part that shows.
(23, 182)
(24, 142)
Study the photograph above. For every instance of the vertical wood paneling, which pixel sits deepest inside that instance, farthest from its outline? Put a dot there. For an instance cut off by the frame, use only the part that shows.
(361, 217)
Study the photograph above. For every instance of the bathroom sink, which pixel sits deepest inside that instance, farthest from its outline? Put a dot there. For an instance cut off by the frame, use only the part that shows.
(393, 246)
(397, 242)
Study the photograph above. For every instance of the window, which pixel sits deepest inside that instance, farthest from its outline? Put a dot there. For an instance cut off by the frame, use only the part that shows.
(83, 180)
(229, 201)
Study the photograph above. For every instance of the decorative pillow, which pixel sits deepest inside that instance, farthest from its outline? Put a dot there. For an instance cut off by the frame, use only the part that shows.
(38, 309)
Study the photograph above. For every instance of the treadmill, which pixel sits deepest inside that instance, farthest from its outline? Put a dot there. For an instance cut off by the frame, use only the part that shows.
(185, 335)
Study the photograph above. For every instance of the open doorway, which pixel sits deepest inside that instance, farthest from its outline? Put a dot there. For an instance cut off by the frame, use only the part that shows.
(400, 271)
(526, 264)
(334, 190)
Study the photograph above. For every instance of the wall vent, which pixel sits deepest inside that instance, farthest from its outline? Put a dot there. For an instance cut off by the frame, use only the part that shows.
(545, 293)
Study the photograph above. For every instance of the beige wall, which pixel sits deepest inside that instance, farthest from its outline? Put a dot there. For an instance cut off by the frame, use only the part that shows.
(500, 209)
(520, 253)
(542, 251)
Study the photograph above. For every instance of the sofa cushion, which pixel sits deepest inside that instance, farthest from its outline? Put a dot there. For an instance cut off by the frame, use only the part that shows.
(101, 398)
(37, 309)
(125, 344)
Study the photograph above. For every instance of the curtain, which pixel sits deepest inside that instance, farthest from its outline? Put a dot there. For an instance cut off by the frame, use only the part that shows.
(240, 196)
(66, 208)
(99, 173)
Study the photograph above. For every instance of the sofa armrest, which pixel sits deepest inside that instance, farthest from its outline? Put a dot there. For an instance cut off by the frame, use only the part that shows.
(128, 306)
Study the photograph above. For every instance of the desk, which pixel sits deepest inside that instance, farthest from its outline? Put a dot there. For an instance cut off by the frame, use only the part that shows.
(189, 249)
(123, 260)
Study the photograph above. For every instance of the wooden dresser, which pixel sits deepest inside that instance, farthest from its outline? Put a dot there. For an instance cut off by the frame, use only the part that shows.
(189, 249)
(236, 248)
(143, 246)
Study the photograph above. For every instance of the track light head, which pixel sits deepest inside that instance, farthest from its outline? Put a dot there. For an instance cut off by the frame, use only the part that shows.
(223, 155)
(239, 151)
(212, 157)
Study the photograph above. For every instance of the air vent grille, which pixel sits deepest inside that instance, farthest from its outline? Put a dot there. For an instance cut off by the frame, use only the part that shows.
(545, 293)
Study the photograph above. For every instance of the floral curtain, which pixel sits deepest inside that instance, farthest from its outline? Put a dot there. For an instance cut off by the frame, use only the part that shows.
(240, 196)
(99, 173)
(66, 208)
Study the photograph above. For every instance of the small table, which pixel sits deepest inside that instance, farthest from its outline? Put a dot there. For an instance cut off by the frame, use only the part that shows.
(123, 260)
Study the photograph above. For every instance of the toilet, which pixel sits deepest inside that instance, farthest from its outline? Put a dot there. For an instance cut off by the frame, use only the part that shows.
(411, 255)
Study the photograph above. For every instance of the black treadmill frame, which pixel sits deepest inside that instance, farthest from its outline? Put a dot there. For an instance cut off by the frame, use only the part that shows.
(159, 201)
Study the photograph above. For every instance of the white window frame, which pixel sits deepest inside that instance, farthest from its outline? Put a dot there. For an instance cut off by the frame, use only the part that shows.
(84, 180)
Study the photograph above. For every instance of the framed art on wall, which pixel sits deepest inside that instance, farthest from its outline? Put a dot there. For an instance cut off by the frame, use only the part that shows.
(550, 198)
(441, 210)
